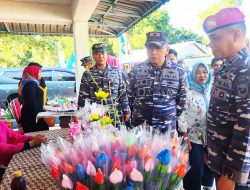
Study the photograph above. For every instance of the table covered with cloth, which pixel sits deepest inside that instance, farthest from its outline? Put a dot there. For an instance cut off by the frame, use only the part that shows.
(36, 175)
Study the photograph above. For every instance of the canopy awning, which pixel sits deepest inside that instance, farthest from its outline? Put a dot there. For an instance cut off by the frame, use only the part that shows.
(113, 17)
(106, 18)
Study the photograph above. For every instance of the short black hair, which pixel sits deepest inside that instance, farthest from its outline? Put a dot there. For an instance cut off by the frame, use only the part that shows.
(214, 60)
(172, 51)
(241, 26)
(34, 64)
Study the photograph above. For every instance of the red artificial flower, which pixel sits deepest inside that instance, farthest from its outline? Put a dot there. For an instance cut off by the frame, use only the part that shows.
(80, 186)
(99, 178)
(55, 172)
(67, 168)
(132, 150)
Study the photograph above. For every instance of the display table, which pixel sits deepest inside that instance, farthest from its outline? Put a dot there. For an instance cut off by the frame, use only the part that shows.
(54, 114)
(29, 162)
(64, 114)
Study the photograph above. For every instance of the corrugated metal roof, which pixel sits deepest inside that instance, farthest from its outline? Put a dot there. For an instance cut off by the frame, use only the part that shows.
(111, 18)
(26, 28)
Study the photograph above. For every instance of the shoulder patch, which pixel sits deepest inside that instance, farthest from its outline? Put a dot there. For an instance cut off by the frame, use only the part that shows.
(242, 90)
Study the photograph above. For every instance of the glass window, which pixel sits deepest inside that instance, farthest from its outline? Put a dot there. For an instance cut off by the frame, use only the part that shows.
(13, 74)
(47, 75)
(65, 76)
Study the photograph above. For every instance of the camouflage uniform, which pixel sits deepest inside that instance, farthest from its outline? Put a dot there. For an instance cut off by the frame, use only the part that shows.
(110, 80)
(156, 95)
(228, 128)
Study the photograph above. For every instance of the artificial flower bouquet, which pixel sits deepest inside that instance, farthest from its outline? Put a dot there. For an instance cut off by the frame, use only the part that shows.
(110, 159)
(94, 115)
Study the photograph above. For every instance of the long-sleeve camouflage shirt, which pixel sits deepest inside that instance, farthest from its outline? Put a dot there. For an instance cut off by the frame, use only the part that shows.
(109, 80)
(156, 95)
(228, 128)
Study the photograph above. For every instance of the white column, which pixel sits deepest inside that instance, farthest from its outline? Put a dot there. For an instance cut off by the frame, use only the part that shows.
(81, 42)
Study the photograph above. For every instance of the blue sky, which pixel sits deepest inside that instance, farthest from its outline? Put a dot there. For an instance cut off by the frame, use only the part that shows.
(185, 13)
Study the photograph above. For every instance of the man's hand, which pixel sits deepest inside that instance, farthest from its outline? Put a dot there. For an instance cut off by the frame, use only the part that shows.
(126, 117)
(225, 183)
(37, 140)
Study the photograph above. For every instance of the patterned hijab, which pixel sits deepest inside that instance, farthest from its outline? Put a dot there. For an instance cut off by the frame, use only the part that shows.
(194, 85)
(30, 72)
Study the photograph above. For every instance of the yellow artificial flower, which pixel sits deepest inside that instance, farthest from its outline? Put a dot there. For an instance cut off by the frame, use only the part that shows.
(94, 117)
(101, 95)
(107, 119)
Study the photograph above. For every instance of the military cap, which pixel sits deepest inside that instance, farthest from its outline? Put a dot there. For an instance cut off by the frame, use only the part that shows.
(99, 47)
(158, 39)
(85, 60)
(223, 18)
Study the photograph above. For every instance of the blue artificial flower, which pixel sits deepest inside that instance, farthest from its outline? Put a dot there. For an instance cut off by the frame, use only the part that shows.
(101, 159)
(164, 157)
(80, 172)
(130, 186)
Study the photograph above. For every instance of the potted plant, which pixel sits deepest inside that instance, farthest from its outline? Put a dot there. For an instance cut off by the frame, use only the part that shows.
(8, 117)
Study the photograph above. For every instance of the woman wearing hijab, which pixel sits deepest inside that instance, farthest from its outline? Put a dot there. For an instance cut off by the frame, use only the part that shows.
(33, 100)
(42, 84)
(192, 125)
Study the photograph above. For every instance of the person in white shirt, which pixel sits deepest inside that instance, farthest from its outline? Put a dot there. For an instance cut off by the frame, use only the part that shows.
(192, 125)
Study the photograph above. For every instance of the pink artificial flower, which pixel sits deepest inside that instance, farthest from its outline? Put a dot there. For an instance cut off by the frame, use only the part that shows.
(116, 176)
(149, 166)
(66, 182)
(136, 176)
(91, 171)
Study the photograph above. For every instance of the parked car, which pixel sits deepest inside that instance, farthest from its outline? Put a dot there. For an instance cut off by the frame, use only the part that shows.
(60, 82)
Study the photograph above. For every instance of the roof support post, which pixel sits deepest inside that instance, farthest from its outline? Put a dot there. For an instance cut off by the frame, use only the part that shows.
(81, 42)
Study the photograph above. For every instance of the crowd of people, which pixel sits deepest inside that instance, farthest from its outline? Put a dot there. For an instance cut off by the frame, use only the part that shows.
(209, 109)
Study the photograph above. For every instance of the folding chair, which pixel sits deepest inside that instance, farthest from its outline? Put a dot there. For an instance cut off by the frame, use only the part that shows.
(15, 106)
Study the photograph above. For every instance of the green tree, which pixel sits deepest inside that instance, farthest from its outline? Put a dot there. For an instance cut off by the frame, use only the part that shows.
(219, 4)
(19, 50)
(112, 44)
(67, 43)
(158, 21)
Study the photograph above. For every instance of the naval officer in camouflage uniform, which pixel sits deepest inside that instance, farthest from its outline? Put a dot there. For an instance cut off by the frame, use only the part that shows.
(109, 79)
(87, 62)
(157, 87)
(228, 135)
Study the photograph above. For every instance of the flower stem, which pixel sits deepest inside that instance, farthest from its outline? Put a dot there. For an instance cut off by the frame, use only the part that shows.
(93, 78)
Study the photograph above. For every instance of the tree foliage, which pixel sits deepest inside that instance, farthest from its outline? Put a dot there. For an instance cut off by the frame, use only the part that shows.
(67, 43)
(158, 21)
(19, 50)
(218, 5)
(112, 44)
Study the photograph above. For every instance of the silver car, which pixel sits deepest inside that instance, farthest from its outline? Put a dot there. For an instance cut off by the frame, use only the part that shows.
(60, 82)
